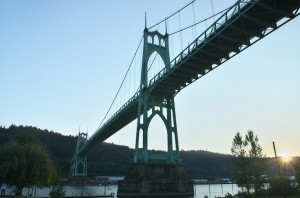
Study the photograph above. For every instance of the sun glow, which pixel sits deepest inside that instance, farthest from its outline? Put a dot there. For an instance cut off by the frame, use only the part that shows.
(285, 156)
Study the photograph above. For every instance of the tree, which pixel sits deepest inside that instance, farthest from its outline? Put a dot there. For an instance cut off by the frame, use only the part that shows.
(297, 170)
(248, 164)
(276, 186)
(240, 163)
(57, 190)
(26, 163)
(256, 161)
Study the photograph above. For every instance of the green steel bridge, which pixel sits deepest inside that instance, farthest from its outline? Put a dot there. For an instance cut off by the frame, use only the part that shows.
(241, 26)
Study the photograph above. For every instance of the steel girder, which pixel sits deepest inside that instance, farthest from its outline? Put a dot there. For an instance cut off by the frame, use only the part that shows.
(237, 29)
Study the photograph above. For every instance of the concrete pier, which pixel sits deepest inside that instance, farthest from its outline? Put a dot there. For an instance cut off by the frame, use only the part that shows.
(156, 180)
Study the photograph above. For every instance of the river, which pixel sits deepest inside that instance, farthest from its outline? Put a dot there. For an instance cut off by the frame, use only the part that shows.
(210, 191)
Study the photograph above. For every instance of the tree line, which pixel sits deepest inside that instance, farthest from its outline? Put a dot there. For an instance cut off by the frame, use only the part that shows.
(245, 166)
(250, 169)
(114, 160)
(25, 162)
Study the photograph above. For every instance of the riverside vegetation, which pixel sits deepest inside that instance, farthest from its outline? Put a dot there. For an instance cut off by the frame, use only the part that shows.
(114, 160)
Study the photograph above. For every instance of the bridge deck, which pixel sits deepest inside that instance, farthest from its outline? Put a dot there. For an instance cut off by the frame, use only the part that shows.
(241, 26)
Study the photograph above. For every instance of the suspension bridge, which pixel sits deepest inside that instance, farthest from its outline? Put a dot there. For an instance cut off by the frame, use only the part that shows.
(233, 30)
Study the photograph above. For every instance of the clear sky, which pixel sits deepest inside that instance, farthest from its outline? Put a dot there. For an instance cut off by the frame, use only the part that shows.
(61, 63)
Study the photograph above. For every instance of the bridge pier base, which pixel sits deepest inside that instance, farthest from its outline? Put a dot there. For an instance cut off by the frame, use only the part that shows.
(156, 180)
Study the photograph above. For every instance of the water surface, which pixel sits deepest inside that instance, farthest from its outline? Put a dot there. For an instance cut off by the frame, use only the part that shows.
(211, 191)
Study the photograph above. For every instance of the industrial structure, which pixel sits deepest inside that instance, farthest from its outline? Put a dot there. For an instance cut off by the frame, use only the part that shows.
(242, 25)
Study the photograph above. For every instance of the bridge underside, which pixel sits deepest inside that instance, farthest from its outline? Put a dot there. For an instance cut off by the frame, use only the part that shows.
(236, 30)
(239, 28)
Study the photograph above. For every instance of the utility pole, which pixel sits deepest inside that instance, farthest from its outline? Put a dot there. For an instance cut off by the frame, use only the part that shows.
(279, 171)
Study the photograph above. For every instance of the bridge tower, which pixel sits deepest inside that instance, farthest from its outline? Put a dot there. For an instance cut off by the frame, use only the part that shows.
(155, 175)
(163, 107)
(79, 163)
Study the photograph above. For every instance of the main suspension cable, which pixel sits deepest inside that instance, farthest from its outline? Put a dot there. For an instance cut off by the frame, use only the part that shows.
(200, 21)
(172, 14)
(121, 83)
(194, 18)
(154, 58)
(204, 20)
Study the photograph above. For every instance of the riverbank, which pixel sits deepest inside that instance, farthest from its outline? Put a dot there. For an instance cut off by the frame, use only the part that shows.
(211, 191)
(99, 196)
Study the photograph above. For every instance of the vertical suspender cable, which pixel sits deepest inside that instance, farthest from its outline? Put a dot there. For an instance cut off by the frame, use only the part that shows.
(171, 15)
(125, 90)
(120, 96)
(172, 42)
(129, 90)
(135, 68)
(123, 93)
(212, 9)
(194, 17)
(179, 20)
(121, 84)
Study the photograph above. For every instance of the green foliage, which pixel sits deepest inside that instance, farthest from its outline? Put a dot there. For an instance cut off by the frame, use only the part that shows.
(114, 160)
(241, 168)
(60, 147)
(57, 190)
(297, 170)
(206, 165)
(26, 163)
(248, 162)
(281, 186)
(257, 164)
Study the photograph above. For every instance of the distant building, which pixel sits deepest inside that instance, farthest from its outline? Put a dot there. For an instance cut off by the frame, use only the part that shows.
(226, 180)
(108, 179)
(200, 181)
(217, 181)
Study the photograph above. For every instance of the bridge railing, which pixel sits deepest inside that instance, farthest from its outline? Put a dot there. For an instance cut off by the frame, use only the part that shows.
(203, 38)
(131, 101)
(189, 50)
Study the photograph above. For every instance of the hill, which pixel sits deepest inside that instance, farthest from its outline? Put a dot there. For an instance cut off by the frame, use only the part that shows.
(114, 160)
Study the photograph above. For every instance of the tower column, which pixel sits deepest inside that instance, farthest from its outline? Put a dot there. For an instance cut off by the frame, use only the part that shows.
(169, 131)
(79, 163)
(147, 102)
(153, 175)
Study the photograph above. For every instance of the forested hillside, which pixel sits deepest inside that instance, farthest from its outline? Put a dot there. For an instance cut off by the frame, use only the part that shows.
(110, 159)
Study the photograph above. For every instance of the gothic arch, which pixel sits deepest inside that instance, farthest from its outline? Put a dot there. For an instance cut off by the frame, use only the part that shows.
(155, 42)
(160, 114)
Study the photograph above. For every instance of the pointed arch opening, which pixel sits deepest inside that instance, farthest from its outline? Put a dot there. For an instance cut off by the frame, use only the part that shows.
(80, 168)
(157, 134)
(149, 39)
(140, 140)
(156, 40)
(155, 65)
(174, 142)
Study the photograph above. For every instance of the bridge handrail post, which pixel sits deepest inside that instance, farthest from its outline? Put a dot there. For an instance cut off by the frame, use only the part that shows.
(223, 19)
